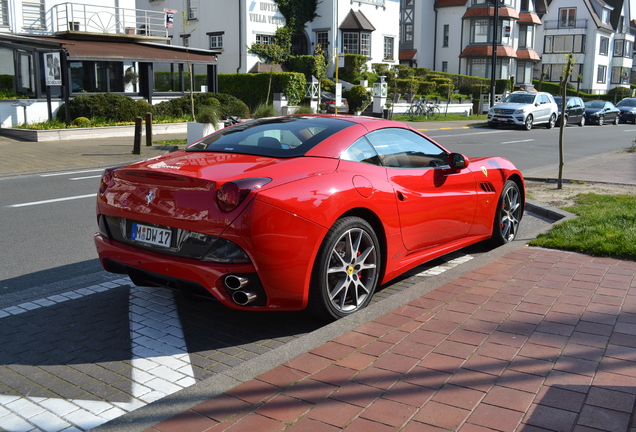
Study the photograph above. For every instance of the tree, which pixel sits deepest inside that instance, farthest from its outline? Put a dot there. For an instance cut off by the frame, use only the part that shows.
(275, 53)
(297, 12)
(567, 71)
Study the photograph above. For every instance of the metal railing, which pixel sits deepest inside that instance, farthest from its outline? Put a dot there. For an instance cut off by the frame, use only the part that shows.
(560, 24)
(77, 17)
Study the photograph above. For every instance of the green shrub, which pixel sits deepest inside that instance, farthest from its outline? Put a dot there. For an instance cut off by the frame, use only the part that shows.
(380, 68)
(110, 106)
(359, 98)
(426, 87)
(81, 122)
(181, 107)
(264, 110)
(502, 85)
(231, 106)
(252, 88)
(353, 68)
(620, 92)
(327, 85)
(304, 109)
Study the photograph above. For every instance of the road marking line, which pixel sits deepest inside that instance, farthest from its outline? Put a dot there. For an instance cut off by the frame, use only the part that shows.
(84, 178)
(520, 141)
(160, 364)
(72, 172)
(51, 201)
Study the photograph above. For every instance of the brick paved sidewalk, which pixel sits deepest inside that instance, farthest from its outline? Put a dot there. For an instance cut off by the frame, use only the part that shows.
(537, 340)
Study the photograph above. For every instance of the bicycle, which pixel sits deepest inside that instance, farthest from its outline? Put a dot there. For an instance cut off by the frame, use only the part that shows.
(416, 109)
(423, 108)
(432, 111)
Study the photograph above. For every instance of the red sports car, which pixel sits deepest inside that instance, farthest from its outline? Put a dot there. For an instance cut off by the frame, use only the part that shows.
(295, 212)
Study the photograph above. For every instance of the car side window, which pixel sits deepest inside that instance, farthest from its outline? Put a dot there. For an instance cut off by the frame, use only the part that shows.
(361, 151)
(401, 148)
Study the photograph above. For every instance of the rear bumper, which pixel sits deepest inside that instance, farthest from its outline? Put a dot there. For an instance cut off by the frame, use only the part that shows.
(188, 275)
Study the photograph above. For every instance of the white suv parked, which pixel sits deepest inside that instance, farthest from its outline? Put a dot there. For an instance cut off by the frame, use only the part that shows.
(524, 109)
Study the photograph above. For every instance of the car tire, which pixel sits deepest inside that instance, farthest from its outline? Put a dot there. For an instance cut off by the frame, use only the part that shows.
(582, 121)
(616, 120)
(346, 271)
(507, 215)
(528, 122)
(551, 122)
(601, 120)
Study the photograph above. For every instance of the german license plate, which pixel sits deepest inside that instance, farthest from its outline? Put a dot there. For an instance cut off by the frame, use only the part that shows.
(151, 235)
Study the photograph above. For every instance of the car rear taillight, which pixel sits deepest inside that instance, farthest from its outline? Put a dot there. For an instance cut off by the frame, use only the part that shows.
(107, 180)
(231, 194)
(330, 102)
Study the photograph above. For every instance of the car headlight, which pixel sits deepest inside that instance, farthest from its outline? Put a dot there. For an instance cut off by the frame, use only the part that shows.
(594, 114)
(520, 111)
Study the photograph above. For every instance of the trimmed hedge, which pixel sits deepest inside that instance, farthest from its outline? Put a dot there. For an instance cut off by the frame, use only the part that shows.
(109, 106)
(120, 108)
(252, 88)
(353, 68)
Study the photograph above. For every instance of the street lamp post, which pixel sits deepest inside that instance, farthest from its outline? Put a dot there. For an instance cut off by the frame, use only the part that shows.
(494, 51)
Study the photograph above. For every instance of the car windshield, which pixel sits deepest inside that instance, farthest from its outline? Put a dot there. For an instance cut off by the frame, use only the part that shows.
(520, 98)
(594, 104)
(281, 137)
(627, 102)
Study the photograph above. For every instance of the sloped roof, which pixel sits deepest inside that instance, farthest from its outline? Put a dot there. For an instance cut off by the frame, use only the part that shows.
(486, 51)
(356, 21)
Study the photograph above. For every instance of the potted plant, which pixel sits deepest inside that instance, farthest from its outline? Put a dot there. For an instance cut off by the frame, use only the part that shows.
(323, 108)
(207, 122)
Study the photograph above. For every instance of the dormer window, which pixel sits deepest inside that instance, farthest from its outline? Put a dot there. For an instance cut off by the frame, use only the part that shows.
(605, 16)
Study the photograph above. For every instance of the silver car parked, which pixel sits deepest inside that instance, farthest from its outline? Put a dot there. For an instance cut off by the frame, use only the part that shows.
(524, 109)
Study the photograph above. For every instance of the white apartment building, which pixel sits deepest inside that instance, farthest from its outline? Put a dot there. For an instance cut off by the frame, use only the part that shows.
(368, 27)
(456, 36)
(597, 34)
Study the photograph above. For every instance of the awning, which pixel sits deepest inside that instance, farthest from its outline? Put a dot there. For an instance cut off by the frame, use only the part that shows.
(131, 51)
(356, 21)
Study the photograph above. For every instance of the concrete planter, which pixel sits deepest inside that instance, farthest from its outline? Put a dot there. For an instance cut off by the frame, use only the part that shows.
(89, 133)
(196, 131)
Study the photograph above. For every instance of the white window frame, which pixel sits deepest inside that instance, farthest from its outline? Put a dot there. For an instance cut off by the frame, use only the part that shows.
(567, 17)
(216, 41)
(601, 74)
(33, 15)
(389, 48)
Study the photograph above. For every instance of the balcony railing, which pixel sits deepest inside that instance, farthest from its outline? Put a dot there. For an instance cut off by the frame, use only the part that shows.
(559, 24)
(82, 18)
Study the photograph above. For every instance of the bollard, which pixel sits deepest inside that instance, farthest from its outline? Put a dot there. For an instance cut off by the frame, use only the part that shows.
(148, 129)
(137, 142)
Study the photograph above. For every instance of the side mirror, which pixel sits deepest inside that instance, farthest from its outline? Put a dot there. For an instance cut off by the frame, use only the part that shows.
(457, 161)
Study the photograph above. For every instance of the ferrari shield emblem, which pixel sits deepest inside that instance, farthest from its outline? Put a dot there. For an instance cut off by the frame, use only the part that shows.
(484, 170)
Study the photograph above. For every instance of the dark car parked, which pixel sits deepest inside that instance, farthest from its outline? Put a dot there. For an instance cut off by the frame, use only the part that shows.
(627, 106)
(329, 99)
(601, 112)
(574, 110)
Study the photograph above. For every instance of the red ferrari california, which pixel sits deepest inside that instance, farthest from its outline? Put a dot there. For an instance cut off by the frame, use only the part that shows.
(295, 212)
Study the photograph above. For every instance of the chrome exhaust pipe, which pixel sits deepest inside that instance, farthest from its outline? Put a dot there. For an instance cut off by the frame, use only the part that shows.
(243, 298)
(233, 282)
